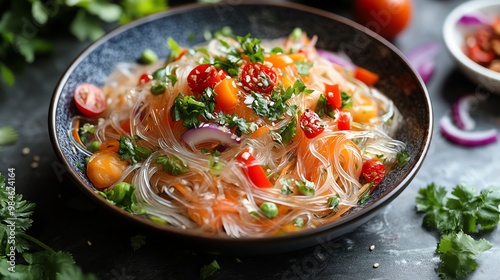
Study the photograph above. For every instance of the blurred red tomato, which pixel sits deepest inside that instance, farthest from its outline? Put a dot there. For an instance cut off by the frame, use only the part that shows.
(386, 17)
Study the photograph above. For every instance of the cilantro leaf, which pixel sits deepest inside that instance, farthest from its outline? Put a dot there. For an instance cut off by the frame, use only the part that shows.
(305, 187)
(252, 48)
(7, 135)
(137, 241)
(129, 151)
(402, 158)
(458, 252)
(465, 211)
(208, 270)
(173, 165)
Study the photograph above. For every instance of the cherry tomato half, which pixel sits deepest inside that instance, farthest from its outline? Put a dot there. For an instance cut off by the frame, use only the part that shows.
(204, 76)
(258, 77)
(373, 171)
(386, 17)
(89, 99)
(311, 124)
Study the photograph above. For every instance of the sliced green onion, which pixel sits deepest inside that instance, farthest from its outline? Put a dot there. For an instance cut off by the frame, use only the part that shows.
(94, 146)
(148, 56)
(158, 88)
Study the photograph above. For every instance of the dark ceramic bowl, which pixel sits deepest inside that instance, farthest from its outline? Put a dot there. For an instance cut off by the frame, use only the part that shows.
(398, 81)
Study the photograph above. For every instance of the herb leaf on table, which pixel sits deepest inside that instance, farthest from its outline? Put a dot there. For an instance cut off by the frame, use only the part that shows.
(466, 211)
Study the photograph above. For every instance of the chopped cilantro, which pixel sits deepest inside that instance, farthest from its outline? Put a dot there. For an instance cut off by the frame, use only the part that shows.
(285, 186)
(466, 211)
(129, 151)
(175, 49)
(333, 201)
(7, 135)
(402, 158)
(137, 241)
(289, 131)
(45, 263)
(303, 67)
(252, 48)
(298, 222)
(323, 108)
(173, 165)
(346, 100)
(209, 270)
(305, 187)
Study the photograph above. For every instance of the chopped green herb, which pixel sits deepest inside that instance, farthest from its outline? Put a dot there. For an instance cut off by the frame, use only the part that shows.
(175, 49)
(7, 135)
(305, 187)
(298, 222)
(87, 128)
(323, 108)
(346, 100)
(158, 88)
(215, 164)
(365, 196)
(270, 209)
(137, 241)
(252, 48)
(333, 201)
(209, 270)
(173, 165)
(148, 56)
(172, 79)
(402, 158)
(303, 67)
(289, 131)
(466, 211)
(285, 186)
(188, 109)
(160, 74)
(45, 263)
(129, 151)
(277, 50)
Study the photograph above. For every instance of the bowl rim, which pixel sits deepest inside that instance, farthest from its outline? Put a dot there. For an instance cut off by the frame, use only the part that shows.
(340, 225)
(450, 26)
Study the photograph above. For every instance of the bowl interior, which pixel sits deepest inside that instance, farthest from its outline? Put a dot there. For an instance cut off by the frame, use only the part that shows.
(398, 81)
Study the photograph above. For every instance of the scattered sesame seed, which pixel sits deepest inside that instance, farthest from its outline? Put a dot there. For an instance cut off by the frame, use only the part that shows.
(376, 265)
(34, 165)
(372, 247)
(36, 158)
(26, 150)
(88, 242)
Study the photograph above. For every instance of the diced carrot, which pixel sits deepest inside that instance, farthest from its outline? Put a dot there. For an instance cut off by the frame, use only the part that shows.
(297, 56)
(110, 145)
(366, 76)
(259, 132)
(280, 60)
(75, 133)
(226, 97)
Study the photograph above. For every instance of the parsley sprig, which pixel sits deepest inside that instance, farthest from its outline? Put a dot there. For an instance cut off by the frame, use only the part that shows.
(467, 211)
(42, 263)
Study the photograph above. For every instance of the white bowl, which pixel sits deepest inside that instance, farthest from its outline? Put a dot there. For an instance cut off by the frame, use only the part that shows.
(454, 36)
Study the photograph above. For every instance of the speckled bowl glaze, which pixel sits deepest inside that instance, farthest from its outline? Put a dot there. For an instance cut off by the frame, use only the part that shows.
(398, 81)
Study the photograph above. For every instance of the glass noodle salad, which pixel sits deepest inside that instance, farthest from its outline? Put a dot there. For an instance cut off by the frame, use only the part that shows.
(239, 136)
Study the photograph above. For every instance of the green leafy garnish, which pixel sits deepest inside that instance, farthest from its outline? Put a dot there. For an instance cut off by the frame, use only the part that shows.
(175, 49)
(323, 108)
(44, 263)
(289, 131)
(298, 222)
(137, 241)
(7, 135)
(458, 253)
(173, 165)
(188, 109)
(252, 48)
(303, 67)
(148, 56)
(466, 211)
(346, 100)
(333, 201)
(123, 196)
(305, 187)
(285, 186)
(130, 151)
(402, 158)
(209, 270)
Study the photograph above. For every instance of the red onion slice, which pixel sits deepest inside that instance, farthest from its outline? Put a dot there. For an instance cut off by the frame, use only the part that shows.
(460, 113)
(210, 133)
(477, 18)
(466, 138)
(336, 59)
(422, 58)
